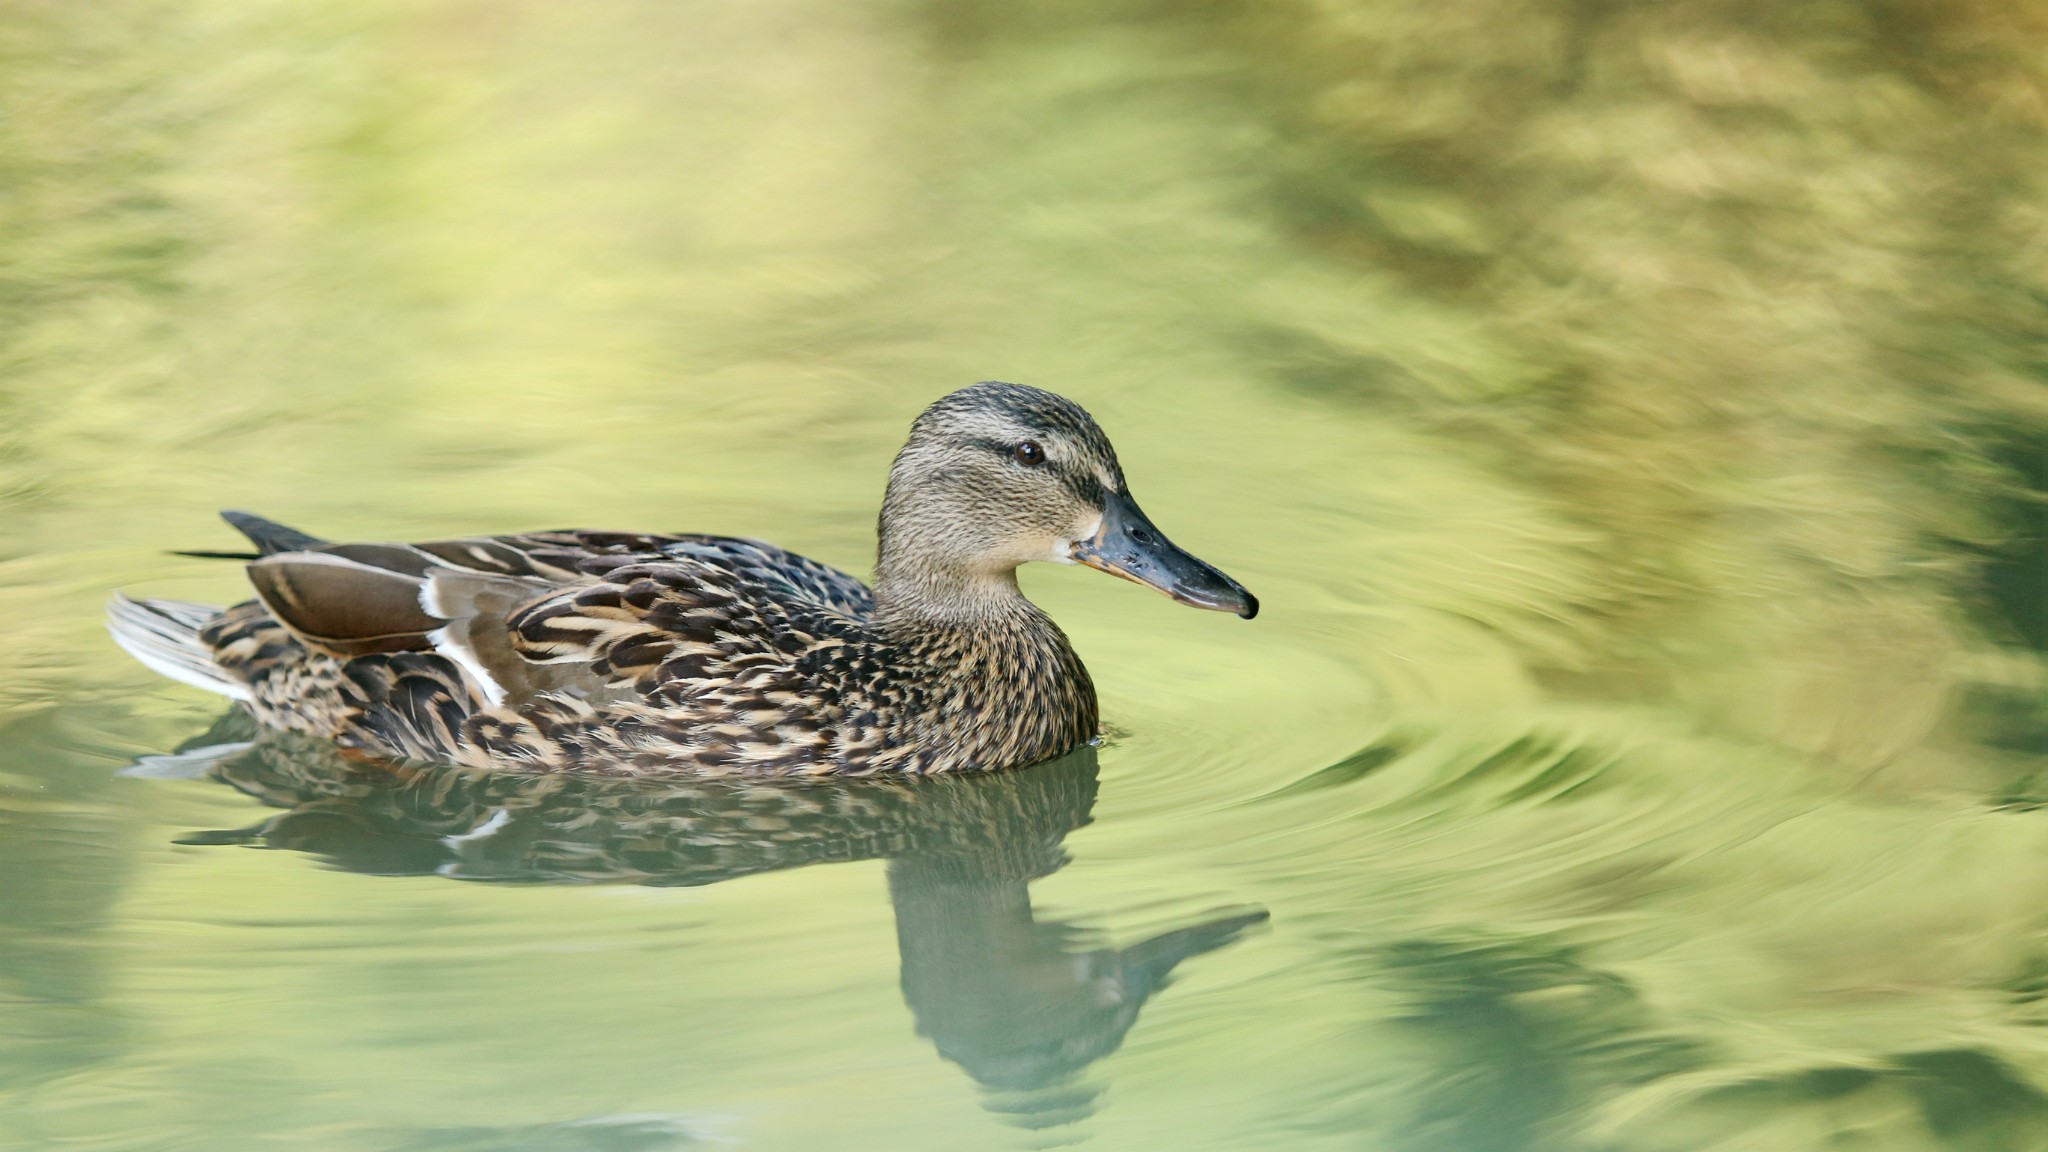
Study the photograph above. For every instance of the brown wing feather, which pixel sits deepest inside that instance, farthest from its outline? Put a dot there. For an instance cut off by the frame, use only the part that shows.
(671, 627)
(344, 606)
(551, 648)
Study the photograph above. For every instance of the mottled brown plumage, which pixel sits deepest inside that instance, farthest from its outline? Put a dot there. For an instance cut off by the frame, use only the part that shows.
(640, 654)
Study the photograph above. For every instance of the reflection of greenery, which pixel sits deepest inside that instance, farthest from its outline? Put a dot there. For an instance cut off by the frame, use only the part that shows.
(1574, 959)
(602, 1134)
(1515, 1038)
(1518, 1038)
(60, 854)
(1959, 1098)
(1633, 413)
(1773, 271)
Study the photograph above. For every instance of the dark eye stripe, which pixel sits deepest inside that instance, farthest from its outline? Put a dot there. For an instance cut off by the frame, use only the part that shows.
(1007, 449)
(1083, 483)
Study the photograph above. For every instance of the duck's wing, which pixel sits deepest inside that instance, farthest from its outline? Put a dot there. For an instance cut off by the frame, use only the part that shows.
(481, 601)
(568, 556)
(694, 659)
(703, 619)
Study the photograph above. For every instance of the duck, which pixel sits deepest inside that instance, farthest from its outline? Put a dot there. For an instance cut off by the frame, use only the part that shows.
(651, 654)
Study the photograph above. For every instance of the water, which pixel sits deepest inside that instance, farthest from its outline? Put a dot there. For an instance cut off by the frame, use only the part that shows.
(1629, 417)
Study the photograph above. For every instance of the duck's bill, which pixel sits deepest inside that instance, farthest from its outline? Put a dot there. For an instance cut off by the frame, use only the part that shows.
(1127, 545)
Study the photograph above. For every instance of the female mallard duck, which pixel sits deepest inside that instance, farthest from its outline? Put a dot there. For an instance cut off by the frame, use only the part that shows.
(634, 654)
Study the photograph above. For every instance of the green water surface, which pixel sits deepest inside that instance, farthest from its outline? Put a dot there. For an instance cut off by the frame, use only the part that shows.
(1632, 417)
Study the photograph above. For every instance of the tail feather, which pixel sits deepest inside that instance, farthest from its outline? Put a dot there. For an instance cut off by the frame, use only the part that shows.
(269, 536)
(164, 636)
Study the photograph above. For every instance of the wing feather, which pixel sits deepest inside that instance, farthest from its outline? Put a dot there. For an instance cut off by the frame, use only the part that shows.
(548, 646)
(673, 628)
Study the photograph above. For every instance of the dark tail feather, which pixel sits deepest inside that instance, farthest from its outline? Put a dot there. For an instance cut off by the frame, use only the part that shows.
(269, 536)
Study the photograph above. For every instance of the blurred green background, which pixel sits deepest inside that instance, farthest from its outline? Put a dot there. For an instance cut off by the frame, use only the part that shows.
(1633, 416)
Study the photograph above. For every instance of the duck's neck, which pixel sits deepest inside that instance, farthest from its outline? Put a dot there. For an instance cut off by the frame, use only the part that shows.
(996, 683)
(923, 594)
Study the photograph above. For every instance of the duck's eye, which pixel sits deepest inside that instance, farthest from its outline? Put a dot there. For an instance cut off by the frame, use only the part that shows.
(1029, 453)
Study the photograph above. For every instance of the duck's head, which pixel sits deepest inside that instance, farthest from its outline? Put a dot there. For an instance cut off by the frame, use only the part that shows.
(997, 475)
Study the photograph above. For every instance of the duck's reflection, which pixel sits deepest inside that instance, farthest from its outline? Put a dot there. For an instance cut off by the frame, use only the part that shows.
(1010, 998)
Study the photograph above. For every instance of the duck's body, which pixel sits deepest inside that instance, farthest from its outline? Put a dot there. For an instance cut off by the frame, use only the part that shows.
(635, 654)
(631, 654)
